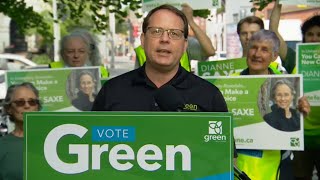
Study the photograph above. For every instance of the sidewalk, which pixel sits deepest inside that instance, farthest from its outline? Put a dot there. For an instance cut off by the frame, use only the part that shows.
(122, 64)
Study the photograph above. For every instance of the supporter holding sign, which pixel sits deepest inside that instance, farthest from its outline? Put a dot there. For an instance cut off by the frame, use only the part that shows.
(308, 58)
(20, 98)
(79, 49)
(246, 27)
(263, 48)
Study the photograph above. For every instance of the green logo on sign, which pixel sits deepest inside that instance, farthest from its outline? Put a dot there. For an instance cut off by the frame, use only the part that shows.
(295, 142)
(215, 132)
(215, 127)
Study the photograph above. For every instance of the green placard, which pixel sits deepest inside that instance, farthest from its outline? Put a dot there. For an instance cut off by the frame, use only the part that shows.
(128, 145)
(221, 68)
(249, 98)
(309, 66)
(57, 87)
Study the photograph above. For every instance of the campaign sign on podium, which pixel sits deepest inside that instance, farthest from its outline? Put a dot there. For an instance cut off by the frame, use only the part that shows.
(128, 145)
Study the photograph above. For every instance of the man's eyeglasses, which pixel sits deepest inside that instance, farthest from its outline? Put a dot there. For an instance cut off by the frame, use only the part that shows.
(31, 102)
(157, 32)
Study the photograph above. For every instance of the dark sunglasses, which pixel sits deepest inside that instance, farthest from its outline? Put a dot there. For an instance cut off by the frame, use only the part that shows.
(31, 102)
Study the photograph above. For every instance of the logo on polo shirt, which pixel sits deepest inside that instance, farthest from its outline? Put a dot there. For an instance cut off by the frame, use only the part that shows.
(190, 107)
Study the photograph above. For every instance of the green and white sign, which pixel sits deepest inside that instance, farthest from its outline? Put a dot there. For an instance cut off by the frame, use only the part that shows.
(301, 2)
(59, 89)
(221, 68)
(260, 110)
(309, 66)
(128, 145)
(148, 5)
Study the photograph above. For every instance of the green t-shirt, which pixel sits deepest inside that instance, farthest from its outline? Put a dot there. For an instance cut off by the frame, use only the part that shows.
(312, 128)
(312, 121)
(11, 157)
(290, 62)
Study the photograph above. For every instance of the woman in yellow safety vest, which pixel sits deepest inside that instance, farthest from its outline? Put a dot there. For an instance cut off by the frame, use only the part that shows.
(79, 49)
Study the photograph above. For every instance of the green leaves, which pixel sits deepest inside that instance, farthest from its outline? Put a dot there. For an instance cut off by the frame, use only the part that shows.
(259, 4)
(70, 12)
(99, 10)
(92, 14)
(25, 17)
(204, 13)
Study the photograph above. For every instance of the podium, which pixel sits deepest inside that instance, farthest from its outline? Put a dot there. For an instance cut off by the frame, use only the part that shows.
(128, 145)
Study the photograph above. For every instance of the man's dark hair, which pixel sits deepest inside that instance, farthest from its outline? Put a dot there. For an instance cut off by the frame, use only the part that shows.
(171, 9)
(309, 23)
(250, 20)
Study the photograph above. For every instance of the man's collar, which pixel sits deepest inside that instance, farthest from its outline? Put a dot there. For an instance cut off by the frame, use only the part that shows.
(142, 78)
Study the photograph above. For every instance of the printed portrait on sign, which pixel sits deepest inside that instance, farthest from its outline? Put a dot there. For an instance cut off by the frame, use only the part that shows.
(82, 88)
(278, 99)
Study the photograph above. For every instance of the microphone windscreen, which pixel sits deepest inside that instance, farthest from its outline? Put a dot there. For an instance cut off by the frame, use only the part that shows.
(168, 99)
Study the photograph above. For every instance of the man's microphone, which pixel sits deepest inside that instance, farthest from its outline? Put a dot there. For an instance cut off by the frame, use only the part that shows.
(168, 99)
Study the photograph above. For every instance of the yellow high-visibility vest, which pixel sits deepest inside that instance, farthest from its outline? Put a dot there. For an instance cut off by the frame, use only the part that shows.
(274, 67)
(60, 64)
(294, 71)
(260, 164)
(141, 56)
(260, 168)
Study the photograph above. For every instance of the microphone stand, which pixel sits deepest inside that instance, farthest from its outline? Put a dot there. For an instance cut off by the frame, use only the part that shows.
(240, 174)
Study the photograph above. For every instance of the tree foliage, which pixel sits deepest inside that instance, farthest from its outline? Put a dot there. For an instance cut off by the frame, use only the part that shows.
(97, 10)
(259, 4)
(71, 12)
(25, 17)
(93, 13)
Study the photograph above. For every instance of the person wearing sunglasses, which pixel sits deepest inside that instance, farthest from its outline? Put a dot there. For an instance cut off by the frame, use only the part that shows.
(20, 98)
